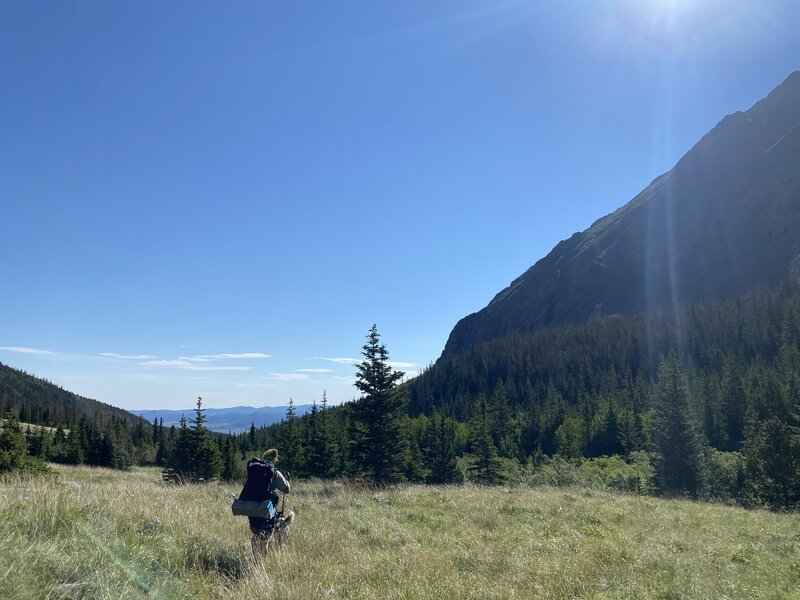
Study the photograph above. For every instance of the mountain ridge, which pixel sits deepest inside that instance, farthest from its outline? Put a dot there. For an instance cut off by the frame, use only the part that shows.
(724, 218)
(234, 419)
(50, 404)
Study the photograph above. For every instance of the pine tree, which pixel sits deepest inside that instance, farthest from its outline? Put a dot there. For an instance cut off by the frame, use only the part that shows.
(204, 456)
(291, 448)
(503, 432)
(678, 439)
(487, 468)
(13, 449)
(607, 435)
(252, 436)
(232, 465)
(39, 444)
(734, 402)
(416, 468)
(569, 438)
(75, 447)
(162, 445)
(380, 447)
(773, 464)
(314, 454)
(180, 455)
(329, 463)
(440, 452)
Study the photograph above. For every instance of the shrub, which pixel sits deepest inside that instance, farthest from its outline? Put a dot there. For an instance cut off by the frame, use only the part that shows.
(14, 455)
(772, 457)
(634, 474)
(725, 474)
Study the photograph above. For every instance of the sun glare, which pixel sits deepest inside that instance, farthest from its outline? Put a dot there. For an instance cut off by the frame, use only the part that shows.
(664, 23)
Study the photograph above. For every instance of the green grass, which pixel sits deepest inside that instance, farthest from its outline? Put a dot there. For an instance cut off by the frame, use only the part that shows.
(127, 535)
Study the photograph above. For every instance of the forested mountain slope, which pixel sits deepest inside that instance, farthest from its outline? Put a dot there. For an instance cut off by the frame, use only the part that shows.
(36, 400)
(700, 398)
(741, 356)
(726, 218)
(100, 434)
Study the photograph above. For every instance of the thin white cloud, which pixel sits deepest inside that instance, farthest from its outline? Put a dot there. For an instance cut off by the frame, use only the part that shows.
(287, 376)
(315, 370)
(342, 379)
(190, 366)
(341, 361)
(23, 350)
(215, 357)
(258, 384)
(141, 376)
(401, 365)
(127, 356)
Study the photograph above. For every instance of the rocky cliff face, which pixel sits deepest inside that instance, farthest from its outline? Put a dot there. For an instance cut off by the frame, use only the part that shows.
(725, 218)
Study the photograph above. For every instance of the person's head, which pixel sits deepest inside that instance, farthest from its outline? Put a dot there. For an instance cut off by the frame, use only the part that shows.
(271, 455)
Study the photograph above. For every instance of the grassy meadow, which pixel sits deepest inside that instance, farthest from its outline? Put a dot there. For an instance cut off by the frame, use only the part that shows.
(96, 533)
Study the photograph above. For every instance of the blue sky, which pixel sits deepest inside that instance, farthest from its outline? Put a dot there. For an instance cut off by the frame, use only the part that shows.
(219, 199)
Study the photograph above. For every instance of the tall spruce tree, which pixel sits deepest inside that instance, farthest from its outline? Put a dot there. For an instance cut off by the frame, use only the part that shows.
(487, 468)
(773, 464)
(204, 455)
(679, 442)
(291, 447)
(13, 449)
(329, 444)
(503, 434)
(570, 436)
(179, 456)
(162, 447)
(232, 463)
(313, 442)
(322, 446)
(440, 452)
(380, 447)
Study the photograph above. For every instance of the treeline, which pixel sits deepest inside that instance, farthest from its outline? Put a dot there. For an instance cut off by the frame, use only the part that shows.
(190, 451)
(113, 443)
(35, 400)
(741, 358)
(60, 426)
(704, 401)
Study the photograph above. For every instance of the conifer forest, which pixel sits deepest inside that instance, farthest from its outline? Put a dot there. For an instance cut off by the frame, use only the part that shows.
(702, 401)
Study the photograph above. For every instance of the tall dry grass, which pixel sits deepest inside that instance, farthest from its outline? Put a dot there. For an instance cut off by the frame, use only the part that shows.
(95, 533)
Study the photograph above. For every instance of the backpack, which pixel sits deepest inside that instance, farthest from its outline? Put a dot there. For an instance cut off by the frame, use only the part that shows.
(255, 499)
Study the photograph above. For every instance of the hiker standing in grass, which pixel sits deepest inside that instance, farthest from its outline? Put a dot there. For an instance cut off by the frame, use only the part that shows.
(262, 481)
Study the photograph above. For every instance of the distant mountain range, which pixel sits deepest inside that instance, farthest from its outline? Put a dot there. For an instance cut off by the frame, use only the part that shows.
(42, 402)
(234, 420)
(726, 218)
